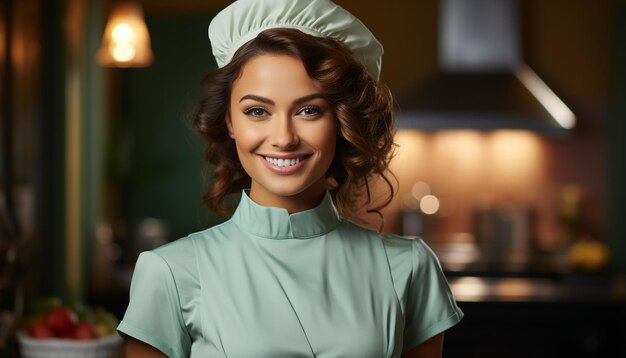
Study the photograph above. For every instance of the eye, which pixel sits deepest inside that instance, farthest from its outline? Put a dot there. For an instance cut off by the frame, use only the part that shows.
(256, 112)
(310, 111)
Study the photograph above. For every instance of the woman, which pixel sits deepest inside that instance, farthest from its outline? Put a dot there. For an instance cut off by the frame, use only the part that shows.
(297, 122)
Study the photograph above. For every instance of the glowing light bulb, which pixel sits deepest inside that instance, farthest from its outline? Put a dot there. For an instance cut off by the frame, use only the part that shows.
(122, 32)
(123, 52)
(126, 41)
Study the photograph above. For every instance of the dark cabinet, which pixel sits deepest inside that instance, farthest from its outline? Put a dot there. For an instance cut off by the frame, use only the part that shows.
(534, 329)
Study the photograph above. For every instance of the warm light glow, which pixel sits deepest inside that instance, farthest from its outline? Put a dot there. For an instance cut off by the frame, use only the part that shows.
(458, 160)
(420, 189)
(469, 288)
(126, 42)
(123, 33)
(123, 52)
(513, 288)
(429, 204)
(516, 161)
(468, 169)
(548, 99)
(412, 156)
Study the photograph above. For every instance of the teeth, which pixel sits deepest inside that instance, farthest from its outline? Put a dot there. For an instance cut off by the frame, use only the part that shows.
(284, 162)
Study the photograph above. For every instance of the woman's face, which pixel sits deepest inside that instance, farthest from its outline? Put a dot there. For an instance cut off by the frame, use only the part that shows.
(284, 130)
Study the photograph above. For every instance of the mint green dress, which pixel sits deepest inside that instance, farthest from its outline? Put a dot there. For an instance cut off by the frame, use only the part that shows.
(269, 284)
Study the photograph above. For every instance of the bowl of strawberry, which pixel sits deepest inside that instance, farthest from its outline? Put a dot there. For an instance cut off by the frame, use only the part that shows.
(62, 331)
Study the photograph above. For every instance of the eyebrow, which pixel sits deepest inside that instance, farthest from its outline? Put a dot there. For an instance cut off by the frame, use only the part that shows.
(270, 102)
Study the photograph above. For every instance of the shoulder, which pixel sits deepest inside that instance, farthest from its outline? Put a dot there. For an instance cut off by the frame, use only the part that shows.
(182, 255)
(425, 260)
(182, 249)
(396, 246)
(172, 264)
(399, 250)
(409, 248)
(352, 229)
(179, 257)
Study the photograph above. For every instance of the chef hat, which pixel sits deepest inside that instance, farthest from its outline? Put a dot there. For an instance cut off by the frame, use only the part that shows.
(243, 20)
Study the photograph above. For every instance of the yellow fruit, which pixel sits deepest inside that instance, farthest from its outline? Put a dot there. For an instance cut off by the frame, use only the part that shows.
(104, 329)
(589, 255)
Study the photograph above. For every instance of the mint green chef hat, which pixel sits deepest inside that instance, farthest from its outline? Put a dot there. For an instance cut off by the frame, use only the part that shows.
(243, 20)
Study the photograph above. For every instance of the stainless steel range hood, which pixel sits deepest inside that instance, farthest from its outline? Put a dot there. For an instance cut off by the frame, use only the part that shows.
(483, 82)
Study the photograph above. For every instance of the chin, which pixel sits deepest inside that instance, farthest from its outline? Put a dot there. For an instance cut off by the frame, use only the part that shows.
(287, 191)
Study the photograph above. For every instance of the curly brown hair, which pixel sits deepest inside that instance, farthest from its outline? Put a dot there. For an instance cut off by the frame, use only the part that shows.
(363, 108)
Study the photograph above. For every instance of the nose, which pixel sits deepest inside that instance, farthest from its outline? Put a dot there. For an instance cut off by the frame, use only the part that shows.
(282, 133)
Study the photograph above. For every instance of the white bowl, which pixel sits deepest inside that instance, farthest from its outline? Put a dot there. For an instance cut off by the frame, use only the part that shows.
(105, 347)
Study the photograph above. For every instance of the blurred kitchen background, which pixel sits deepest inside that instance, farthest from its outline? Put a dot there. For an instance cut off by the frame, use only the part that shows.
(510, 162)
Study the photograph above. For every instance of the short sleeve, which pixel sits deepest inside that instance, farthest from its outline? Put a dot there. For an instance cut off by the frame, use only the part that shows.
(430, 308)
(154, 315)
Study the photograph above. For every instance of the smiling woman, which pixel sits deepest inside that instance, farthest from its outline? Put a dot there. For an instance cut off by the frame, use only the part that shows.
(284, 131)
(297, 122)
(337, 83)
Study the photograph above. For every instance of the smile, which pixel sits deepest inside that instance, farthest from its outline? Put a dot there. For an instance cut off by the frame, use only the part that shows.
(283, 162)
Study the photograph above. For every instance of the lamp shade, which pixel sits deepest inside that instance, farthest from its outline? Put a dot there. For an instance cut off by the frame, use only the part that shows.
(126, 41)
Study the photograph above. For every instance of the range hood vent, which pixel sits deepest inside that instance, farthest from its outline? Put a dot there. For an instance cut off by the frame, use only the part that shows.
(483, 82)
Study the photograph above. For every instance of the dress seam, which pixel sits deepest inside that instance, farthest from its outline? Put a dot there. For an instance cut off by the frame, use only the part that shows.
(195, 253)
(412, 266)
(391, 342)
(393, 282)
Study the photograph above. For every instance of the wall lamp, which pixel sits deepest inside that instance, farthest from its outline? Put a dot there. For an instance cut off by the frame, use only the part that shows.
(126, 41)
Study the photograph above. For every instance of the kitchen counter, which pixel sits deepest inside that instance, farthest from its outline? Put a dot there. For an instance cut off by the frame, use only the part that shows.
(549, 316)
(528, 303)
(566, 288)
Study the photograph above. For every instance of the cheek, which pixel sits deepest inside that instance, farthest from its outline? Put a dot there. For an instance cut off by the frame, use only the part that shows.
(326, 138)
(244, 134)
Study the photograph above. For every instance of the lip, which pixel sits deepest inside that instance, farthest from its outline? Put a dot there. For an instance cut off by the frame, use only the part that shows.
(286, 156)
(285, 170)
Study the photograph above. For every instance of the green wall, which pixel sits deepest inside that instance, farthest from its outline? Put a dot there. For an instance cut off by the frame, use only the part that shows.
(159, 157)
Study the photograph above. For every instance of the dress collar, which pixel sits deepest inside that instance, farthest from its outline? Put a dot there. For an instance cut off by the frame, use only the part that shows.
(278, 224)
